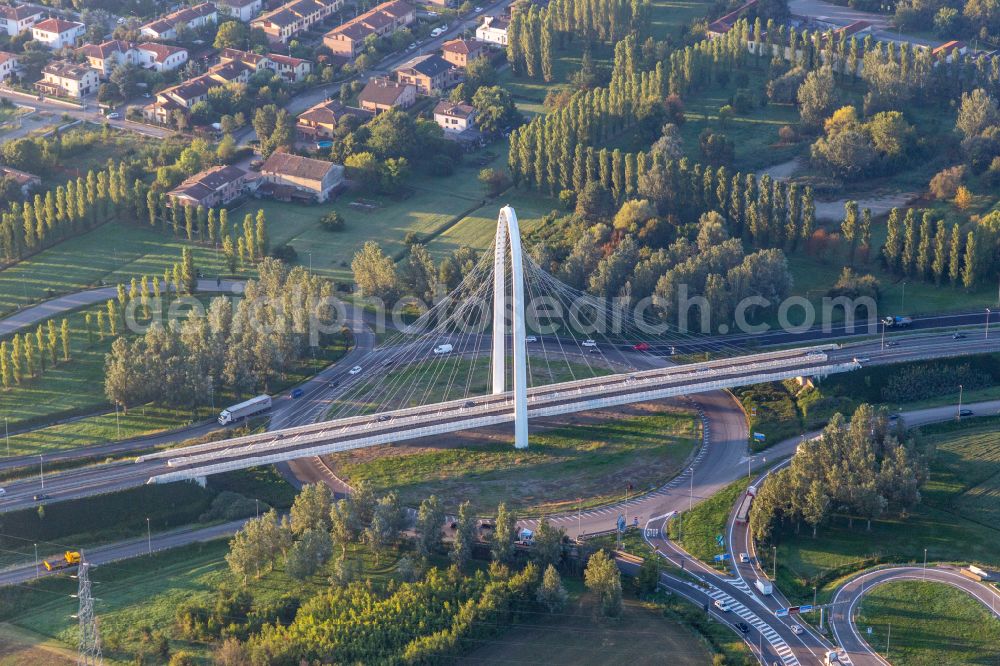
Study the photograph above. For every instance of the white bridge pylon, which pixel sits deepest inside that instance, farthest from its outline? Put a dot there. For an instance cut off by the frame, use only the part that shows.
(509, 236)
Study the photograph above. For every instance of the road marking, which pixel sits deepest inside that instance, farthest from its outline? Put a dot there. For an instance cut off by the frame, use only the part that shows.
(773, 638)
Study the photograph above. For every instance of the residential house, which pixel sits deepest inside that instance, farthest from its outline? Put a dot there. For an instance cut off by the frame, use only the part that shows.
(454, 117)
(67, 79)
(165, 27)
(319, 122)
(493, 30)
(179, 98)
(428, 73)
(855, 29)
(57, 33)
(949, 49)
(348, 39)
(106, 56)
(724, 24)
(289, 68)
(460, 52)
(27, 181)
(294, 17)
(19, 19)
(161, 57)
(382, 94)
(233, 71)
(9, 65)
(287, 176)
(213, 187)
(241, 10)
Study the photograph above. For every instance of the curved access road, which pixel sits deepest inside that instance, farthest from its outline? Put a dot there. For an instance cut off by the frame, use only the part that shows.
(848, 597)
(739, 541)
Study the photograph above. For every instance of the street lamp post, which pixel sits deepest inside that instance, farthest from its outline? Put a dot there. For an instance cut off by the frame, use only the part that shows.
(579, 517)
(149, 537)
(118, 425)
(36, 560)
(41, 470)
(925, 564)
(6, 433)
(987, 336)
(774, 563)
(960, 390)
(883, 336)
(902, 299)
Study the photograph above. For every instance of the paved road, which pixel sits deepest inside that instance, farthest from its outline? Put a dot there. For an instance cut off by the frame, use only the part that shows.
(739, 541)
(30, 316)
(844, 15)
(125, 549)
(846, 601)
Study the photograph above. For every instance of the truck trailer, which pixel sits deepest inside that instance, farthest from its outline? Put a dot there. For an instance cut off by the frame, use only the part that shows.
(245, 409)
(763, 586)
(70, 558)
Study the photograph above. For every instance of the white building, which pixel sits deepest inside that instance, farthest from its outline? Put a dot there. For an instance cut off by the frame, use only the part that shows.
(57, 33)
(191, 17)
(108, 55)
(160, 57)
(241, 10)
(9, 65)
(454, 117)
(15, 20)
(67, 79)
(493, 30)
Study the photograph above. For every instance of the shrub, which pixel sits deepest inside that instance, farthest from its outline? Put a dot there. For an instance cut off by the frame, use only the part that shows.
(332, 221)
(285, 253)
(944, 184)
(787, 134)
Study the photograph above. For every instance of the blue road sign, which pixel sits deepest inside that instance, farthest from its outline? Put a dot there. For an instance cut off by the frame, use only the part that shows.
(719, 540)
(621, 523)
(759, 437)
(781, 612)
(722, 558)
(805, 609)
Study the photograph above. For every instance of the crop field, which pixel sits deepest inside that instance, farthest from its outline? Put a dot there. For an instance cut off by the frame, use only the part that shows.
(932, 623)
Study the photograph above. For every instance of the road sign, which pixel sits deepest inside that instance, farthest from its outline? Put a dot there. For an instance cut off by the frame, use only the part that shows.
(805, 609)
(869, 631)
(721, 558)
(781, 612)
(719, 540)
(753, 411)
(621, 523)
(759, 437)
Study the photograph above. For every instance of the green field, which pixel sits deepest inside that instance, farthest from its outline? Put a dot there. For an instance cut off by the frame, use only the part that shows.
(956, 521)
(593, 461)
(701, 525)
(931, 624)
(112, 253)
(433, 205)
(624, 640)
(147, 591)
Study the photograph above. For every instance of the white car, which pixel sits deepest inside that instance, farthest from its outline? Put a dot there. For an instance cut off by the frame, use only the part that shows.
(478, 9)
(530, 338)
(744, 558)
(355, 370)
(114, 115)
(722, 605)
(2, 492)
(589, 343)
(797, 629)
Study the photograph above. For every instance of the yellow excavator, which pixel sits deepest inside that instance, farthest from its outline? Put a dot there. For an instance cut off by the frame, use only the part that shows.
(70, 558)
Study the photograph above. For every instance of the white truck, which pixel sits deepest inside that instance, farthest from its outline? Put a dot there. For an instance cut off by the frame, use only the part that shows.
(443, 349)
(245, 409)
(763, 586)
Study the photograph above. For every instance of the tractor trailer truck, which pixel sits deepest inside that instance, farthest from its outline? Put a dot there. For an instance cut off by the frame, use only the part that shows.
(245, 409)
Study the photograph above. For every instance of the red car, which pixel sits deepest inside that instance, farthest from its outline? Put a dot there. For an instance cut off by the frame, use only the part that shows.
(642, 346)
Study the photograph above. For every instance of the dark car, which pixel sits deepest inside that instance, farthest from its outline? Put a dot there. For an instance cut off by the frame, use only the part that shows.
(957, 335)
(383, 418)
(297, 393)
(469, 403)
(965, 412)
(743, 627)
(41, 496)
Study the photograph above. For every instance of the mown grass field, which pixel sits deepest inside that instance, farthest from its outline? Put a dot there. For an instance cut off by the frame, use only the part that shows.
(593, 461)
(956, 521)
(147, 591)
(707, 520)
(932, 623)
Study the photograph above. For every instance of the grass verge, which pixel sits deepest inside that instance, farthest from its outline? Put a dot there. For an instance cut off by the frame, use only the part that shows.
(696, 530)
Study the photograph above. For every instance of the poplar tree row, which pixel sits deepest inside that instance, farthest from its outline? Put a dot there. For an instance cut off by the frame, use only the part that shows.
(940, 75)
(24, 357)
(50, 217)
(928, 250)
(604, 20)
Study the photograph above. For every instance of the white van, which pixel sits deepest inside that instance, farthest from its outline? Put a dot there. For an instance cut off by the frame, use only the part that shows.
(443, 349)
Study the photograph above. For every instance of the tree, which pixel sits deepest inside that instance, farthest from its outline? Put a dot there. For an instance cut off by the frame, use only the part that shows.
(849, 227)
(386, 523)
(308, 554)
(64, 335)
(430, 518)
(648, 579)
(977, 112)
(970, 265)
(341, 526)
(375, 273)
(494, 180)
(816, 96)
(548, 543)
(332, 221)
(551, 592)
(594, 203)
(669, 146)
(258, 544)
(232, 34)
(504, 533)
(465, 536)
(963, 197)
(311, 509)
(603, 579)
(495, 109)
(815, 505)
